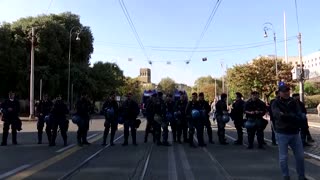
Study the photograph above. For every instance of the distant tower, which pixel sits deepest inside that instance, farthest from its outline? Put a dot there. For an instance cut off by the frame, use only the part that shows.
(145, 75)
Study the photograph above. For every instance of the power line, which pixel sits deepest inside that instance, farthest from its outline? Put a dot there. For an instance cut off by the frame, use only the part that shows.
(126, 13)
(297, 17)
(213, 12)
(49, 6)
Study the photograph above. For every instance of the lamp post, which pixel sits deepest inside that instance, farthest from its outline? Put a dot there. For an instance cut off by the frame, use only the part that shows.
(269, 27)
(70, 38)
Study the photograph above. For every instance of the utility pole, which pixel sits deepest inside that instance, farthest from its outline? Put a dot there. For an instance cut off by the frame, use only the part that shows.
(301, 80)
(32, 77)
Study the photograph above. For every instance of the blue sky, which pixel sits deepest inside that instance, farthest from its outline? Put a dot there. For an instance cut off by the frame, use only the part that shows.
(179, 23)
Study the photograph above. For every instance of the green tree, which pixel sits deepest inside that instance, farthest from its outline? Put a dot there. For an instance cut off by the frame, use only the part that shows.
(132, 85)
(260, 75)
(167, 85)
(207, 86)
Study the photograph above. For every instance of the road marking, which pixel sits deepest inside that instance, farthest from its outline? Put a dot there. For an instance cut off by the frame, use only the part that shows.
(185, 164)
(316, 125)
(145, 167)
(14, 171)
(34, 169)
(292, 169)
(71, 145)
(172, 166)
(66, 176)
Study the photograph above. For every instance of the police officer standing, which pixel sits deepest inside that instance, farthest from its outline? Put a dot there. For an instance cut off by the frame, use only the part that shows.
(150, 117)
(111, 112)
(194, 120)
(83, 108)
(205, 110)
(10, 110)
(59, 112)
(237, 117)
(130, 110)
(255, 109)
(221, 109)
(180, 112)
(169, 119)
(159, 118)
(43, 109)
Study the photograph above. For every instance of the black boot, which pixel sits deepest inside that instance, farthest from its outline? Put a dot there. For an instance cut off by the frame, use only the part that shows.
(134, 137)
(112, 138)
(4, 139)
(14, 137)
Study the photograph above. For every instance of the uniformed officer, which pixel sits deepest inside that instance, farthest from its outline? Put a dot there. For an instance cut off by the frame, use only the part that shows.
(43, 109)
(205, 110)
(58, 119)
(150, 117)
(84, 109)
(237, 117)
(111, 112)
(10, 109)
(255, 109)
(182, 124)
(159, 117)
(194, 120)
(169, 118)
(221, 109)
(130, 111)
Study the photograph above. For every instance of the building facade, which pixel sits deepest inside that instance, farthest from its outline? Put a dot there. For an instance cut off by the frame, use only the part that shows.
(145, 75)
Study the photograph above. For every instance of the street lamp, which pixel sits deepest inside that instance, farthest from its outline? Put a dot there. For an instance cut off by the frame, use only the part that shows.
(269, 27)
(70, 38)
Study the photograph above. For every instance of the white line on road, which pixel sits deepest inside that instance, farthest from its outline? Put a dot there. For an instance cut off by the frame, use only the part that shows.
(316, 125)
(14, 171)
(172, 167)
(185, 164)
(71, 145)
(145, 167)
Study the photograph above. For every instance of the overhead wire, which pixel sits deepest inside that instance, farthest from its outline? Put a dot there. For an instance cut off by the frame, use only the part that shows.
(131, 24)
(213, 12)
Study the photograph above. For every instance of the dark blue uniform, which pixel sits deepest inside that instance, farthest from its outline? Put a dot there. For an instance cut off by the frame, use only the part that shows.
(159, 118)
(10, 111)
(84, 108)
(43, 110)
(205, 108)
(130, 111)
(221, 108)
(194, 123)
(169, 105)
(59, 112)
(237, 117)
(110, 120)
(182, 124)
(150, 119)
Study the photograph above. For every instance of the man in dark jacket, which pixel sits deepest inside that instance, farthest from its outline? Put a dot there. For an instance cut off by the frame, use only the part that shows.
(169, 105)
(110, 109)
(130, 111)
(159, 108)
(150, 117)
(43, 109)
(255, 109)
(287, 118)
(237, 117)
(194, 120)
(205, 110)
(59, 112)
(182, 124)
(221, 109)
(84, 108)
(10, 110)
(305, 127)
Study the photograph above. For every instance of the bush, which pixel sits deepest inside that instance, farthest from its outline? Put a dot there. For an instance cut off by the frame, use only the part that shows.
(312, 101)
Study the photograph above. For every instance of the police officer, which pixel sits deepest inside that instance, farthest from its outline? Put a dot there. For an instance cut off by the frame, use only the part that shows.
(180, 112)
(221, 109)
(10, 110)
(111, 112)
(194, 122)
(130, 110)
(159, 117)
(43, 109)
(169, 119)
(84, 109)
(255, 109)
(304, 126)
(205, 109)
(273, 137)
(58, 119)
(237, 117)
(150, 117)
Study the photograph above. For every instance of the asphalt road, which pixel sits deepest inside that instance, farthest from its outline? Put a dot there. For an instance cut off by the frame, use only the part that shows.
(145, 161)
